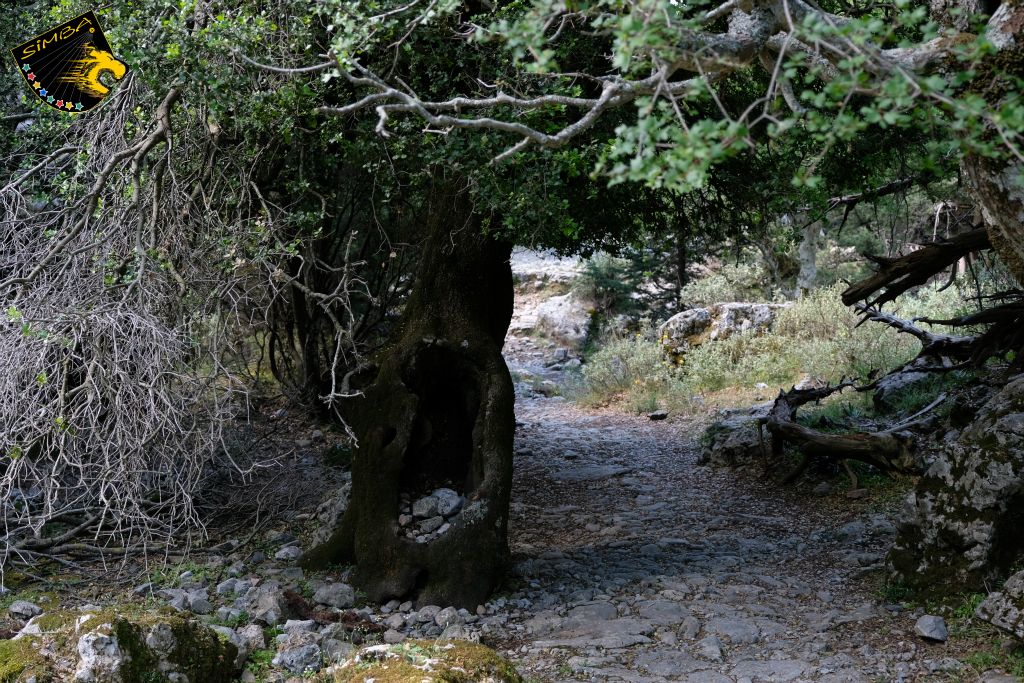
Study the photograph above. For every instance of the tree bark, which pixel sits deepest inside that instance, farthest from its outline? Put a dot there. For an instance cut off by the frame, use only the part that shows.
(808, 257)
(439, 413)
(998, 184)
(999, 188)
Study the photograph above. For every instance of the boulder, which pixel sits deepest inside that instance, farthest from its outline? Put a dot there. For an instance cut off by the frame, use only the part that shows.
(339, 595)
(684, 330)
(23, 610)
(735, 318)
(890, 386)
(1005, 608)
(264, 604)
(105, 646)
(735, 440)
(299, 653)
(696, 326)
(960, 527)
(565, 319)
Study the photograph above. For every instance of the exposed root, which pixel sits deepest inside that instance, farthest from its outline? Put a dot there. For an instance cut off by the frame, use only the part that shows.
(888, 450)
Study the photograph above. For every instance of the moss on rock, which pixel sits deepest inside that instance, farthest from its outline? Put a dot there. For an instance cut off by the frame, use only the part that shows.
(423, 661)
(137, 647)
(20, 659)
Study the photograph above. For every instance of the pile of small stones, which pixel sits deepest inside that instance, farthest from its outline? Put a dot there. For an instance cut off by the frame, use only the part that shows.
(428, 517)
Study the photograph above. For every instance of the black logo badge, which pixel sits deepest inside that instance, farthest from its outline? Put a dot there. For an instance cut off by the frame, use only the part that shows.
(63, 65)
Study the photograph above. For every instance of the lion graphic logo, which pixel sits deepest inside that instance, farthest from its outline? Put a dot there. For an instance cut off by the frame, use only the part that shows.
(86, 71)
(70, 67)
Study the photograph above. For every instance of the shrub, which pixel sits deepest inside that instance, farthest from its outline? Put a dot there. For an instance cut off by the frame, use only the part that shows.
(816, 336)
(608, 281)
(741, 282)
(631, 368)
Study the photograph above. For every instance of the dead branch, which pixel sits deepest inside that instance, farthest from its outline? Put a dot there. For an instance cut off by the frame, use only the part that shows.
(897, 275)
(932, 344)
(887, 451)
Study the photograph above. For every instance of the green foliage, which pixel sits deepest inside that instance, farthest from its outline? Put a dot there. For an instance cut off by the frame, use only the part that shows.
(731, 282)
(893, 593)
(629, 368)
(609, 282)
(816, 336)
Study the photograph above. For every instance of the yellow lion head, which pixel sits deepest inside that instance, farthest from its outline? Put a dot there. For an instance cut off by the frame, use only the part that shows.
(85, 72)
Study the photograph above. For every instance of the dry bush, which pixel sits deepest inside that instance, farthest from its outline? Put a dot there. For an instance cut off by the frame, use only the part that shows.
(123, 294)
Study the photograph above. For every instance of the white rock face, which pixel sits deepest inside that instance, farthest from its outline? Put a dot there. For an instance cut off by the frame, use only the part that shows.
(695, 326)
(565, 319)
(100, 658)
(528, 264)
(950, 533)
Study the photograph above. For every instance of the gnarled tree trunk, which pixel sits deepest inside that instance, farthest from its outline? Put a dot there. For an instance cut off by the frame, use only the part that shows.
(998, 185)
(438, 414)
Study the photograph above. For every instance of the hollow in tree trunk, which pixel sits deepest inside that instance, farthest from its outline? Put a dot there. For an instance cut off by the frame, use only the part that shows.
(438, 414)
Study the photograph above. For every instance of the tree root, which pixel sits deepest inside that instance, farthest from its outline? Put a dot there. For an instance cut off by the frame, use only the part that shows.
(888, 450)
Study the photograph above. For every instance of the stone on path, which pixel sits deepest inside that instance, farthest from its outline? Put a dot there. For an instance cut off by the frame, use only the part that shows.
(931, 627)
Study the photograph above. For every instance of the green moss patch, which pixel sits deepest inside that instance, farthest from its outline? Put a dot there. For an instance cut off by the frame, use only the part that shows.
(420, 661)
(193, 650)
(20, 659)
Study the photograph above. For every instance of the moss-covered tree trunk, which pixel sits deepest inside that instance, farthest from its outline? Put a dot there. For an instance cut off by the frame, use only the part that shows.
(439, 413)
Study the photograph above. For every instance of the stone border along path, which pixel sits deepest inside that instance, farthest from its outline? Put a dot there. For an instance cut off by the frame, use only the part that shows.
(636, 564)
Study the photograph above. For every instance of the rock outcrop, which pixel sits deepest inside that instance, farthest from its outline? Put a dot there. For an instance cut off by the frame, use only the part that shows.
(961, 526)
(104, 646)
(695, 326)
(564, 318)
(1005, 608)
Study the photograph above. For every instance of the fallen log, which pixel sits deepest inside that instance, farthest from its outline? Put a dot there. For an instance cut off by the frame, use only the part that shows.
(888, 450)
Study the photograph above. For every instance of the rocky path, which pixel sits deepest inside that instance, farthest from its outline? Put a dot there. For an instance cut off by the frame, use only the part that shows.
(638, 565)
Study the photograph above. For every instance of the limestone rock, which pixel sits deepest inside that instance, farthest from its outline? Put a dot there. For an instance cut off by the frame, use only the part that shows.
(288, 553)
(339, 595)
(23, 610)
(565, 319)
(299, 654)
(105, 646)
(696, 326)
(890, 385)
(954, 529)
(265, 603)
(684, 330)
(425, 507)
(735, 440)
(931, 627)
(448, 502)
(1005, 608)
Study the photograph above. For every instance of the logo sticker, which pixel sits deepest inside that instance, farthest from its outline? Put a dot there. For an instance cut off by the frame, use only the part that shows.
(64, 65)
